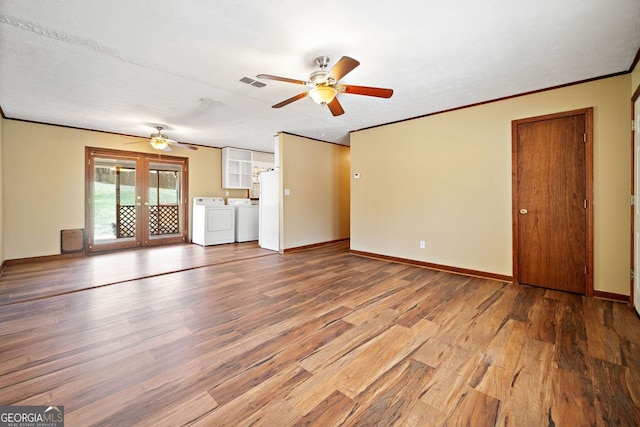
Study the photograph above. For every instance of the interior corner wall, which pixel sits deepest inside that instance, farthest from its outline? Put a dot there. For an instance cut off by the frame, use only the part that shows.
(316, 174)
(44, 165)
(446, 179)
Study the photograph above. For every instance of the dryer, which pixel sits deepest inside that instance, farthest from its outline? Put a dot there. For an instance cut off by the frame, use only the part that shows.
(213, 221)
(246, 219)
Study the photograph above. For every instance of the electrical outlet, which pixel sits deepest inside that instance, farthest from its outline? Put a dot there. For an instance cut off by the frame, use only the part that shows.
(422, 244)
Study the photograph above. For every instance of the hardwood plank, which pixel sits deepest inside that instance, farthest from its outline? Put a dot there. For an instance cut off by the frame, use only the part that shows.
(613, 402)
(571, 348)
(101, 410)
(276, 412)
(474, 409)
(386, 400)
(238, 410)
(380, 355)
(474, 329)
(542, 320)
(449, 381)
(602, 339)
(331, 411)
(174, 414)
(348, 342)
(280, 353)
(353, 372)
(422, 414)
(529, 400)
(495, 373)
(572, 399)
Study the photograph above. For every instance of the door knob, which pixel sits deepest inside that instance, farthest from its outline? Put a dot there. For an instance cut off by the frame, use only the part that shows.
(524, 211)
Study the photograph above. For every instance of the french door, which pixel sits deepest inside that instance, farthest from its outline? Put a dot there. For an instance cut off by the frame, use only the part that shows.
(134, 199)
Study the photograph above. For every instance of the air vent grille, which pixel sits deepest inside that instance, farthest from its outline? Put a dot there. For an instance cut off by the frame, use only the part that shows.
(252, 82)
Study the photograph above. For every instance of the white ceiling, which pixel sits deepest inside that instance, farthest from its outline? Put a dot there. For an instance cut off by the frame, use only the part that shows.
(124, 66)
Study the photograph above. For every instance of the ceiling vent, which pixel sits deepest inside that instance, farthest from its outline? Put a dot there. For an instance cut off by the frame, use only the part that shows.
(252, 82)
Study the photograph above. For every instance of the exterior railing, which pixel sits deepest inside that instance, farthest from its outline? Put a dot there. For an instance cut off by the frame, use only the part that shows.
(163, 219)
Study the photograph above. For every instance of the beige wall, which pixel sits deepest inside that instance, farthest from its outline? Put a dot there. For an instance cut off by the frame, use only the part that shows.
(317, 177)
(260, 156)
(446, 179)
(43, 171)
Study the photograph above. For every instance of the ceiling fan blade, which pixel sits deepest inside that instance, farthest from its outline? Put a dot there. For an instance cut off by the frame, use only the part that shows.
(368, 91)
(280, 79)
(137, 140)
(179, 144)
(343, 67)
(335, 107)
(290, 100)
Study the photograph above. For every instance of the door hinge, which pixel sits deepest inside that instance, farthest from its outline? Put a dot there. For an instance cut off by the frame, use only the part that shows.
(633, 274)
(633, 200)
(586, 271)
(633, 125)
(584, 138)
(585, 203)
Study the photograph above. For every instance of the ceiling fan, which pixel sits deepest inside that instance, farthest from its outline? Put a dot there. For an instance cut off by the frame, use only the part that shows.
(160, 142)
(325, 84)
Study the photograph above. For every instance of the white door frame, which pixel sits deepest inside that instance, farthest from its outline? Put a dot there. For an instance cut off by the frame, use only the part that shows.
(635, 290)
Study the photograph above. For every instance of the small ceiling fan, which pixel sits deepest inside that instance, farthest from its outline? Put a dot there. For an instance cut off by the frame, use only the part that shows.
(325, 84)
(160, 142)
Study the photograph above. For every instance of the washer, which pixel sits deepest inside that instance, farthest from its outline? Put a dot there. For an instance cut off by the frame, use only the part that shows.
(213, 221)
(247, 217)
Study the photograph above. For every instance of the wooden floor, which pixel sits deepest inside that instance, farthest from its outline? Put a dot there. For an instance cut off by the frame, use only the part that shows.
(319, 337)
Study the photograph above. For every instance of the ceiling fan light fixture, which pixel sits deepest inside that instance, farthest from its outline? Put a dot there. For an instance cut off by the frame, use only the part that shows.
(323, 94)
(159, 143)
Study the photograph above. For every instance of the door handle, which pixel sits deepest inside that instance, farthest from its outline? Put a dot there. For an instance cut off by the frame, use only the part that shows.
(524, 211)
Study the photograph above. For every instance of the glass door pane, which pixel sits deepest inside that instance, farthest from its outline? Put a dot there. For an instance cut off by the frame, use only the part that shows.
(164, 200)
(113, 204)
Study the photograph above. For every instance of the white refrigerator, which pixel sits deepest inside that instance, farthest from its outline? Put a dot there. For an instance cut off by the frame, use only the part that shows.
(269, 211)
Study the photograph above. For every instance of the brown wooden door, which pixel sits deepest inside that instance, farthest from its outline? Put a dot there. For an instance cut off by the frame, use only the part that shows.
(551, 203)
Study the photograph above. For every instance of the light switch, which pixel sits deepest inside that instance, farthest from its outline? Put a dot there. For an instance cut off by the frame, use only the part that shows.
(286, 192)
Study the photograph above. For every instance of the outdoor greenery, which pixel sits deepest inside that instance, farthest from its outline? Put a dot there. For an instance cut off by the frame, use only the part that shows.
(104, 205)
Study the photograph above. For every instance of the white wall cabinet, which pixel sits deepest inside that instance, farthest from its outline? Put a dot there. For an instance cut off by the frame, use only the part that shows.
(237, 168)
